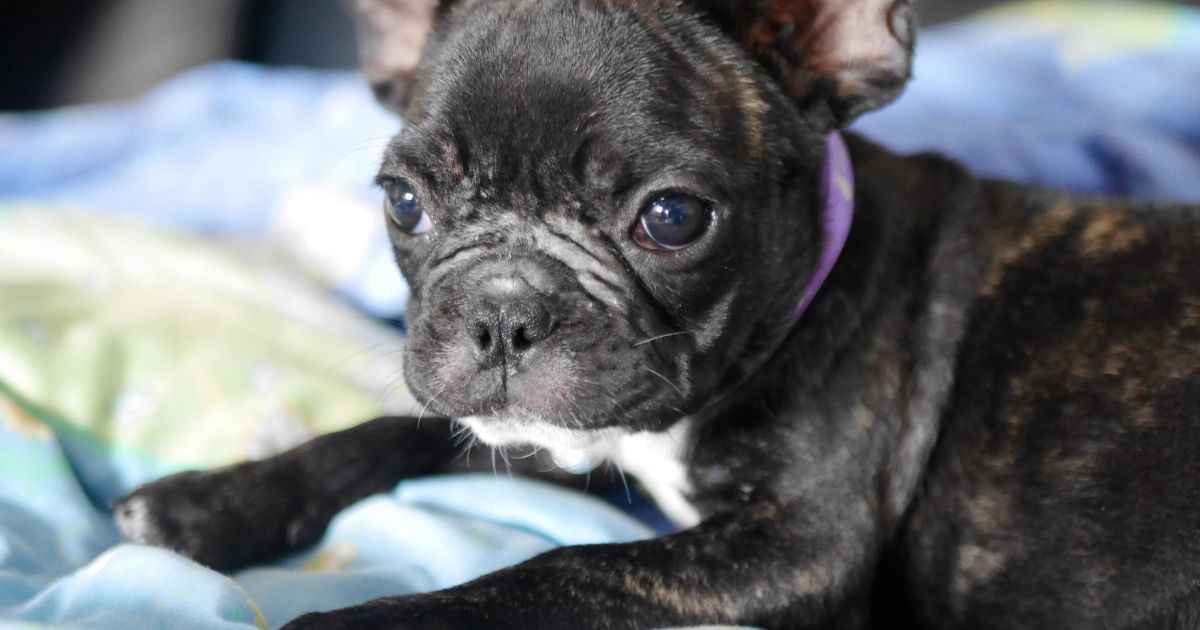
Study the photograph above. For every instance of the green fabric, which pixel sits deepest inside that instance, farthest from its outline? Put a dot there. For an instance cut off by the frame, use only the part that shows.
(167, 345)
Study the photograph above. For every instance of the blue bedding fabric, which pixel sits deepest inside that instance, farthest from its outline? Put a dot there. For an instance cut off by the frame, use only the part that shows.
(1096, 99)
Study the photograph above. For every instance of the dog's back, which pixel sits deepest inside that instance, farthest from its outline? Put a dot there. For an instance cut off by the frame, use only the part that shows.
(1063, 491)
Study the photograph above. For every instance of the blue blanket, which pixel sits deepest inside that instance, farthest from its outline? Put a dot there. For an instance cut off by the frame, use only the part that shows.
(1097, 100)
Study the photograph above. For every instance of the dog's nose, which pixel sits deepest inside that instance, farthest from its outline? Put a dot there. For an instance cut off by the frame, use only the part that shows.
(506, 327)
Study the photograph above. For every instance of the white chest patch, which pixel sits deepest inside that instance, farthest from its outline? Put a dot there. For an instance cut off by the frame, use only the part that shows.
(656, 459)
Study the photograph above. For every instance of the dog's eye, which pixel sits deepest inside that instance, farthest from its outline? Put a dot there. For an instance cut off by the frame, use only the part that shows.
(405, 209)
(672, 221)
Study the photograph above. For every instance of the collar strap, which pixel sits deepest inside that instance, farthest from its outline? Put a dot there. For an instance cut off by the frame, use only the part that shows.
(837, 189)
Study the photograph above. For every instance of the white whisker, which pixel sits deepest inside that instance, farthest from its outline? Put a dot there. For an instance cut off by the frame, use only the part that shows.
(659, 337)
(668, 382)
(624, 482)
(426, 407)
(504, 458)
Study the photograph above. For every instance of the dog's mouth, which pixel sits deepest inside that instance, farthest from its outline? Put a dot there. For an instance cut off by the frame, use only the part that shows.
(560, 392)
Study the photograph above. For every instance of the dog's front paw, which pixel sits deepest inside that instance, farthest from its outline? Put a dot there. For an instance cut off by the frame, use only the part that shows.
(431, 611)
(223, 519)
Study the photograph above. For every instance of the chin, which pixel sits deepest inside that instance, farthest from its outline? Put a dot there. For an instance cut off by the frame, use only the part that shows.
(572, 448)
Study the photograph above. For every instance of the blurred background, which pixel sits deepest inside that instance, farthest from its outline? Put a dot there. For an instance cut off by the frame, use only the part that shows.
(59, 52)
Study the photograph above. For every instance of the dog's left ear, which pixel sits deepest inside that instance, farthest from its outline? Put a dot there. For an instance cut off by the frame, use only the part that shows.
(391, 36)
(848, 56)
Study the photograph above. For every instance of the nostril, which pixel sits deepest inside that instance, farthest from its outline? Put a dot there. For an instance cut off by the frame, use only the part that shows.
(482, 335)
(521, 340)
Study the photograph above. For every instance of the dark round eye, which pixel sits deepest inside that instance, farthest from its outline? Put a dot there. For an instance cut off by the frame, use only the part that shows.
(672, 221)
(405, 209)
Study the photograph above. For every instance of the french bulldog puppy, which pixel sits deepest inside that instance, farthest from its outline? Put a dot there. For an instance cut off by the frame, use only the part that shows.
(624, 223)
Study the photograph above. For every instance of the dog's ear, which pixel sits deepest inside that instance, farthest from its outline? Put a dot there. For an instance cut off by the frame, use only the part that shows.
(391, 35)
(850, 56)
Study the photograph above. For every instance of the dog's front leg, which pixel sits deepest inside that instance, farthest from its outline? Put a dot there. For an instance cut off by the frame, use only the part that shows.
(251, 512)
(768, 566)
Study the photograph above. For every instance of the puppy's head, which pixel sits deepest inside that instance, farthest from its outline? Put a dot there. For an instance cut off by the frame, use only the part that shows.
(608, 209)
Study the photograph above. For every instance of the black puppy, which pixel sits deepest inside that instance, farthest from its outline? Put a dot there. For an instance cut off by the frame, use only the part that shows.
(614, 214)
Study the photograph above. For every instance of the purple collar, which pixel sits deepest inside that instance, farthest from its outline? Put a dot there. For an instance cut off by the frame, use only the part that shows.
(837, 188)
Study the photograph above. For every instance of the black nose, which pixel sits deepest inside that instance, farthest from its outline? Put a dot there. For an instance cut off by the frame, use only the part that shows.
(506, 328)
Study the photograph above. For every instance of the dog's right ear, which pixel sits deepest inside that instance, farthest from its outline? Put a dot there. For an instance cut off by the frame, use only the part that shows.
(391, 35)
(844, 57)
